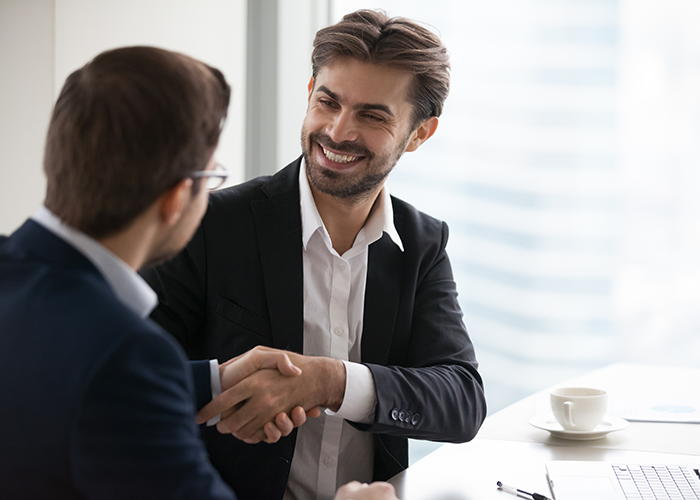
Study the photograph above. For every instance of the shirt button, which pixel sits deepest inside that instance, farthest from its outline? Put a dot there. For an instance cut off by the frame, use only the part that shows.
(339, 331)
(342, 266)
(328, 461)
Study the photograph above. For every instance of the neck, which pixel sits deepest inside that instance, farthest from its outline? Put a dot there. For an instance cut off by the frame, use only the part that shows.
(344, 218)
(133, 244)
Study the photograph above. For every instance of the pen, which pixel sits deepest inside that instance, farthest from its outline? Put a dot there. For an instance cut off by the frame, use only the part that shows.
(520, 493)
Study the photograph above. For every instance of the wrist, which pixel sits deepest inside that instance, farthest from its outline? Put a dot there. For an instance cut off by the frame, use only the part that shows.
(331, 379)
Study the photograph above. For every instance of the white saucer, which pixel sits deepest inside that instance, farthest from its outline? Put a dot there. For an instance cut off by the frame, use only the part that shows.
(549, 423)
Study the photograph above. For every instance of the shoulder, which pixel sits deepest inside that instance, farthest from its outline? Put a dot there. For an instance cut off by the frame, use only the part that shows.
(417, 228)
(86, 313)
(261, 188)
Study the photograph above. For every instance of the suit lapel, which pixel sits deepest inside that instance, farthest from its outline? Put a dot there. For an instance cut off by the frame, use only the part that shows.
(384, 265)
(278, 228)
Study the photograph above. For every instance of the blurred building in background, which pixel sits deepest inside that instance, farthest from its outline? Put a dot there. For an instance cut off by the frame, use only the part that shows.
(566, 164)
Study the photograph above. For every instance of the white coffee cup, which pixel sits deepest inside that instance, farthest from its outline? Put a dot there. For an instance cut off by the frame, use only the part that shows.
(579, 408)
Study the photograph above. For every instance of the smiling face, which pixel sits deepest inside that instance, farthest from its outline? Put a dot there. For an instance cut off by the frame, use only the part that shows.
(357, 126)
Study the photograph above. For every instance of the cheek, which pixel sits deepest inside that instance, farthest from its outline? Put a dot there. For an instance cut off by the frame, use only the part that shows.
(315, 119)
(379, 143)
(204, 202)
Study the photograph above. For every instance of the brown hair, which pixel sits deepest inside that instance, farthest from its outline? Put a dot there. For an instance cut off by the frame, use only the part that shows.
(371, 36)
(127, 127)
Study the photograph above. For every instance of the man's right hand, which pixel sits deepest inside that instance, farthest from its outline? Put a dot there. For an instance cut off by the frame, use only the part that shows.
(237, 369)
(361, 491)
(256, 400)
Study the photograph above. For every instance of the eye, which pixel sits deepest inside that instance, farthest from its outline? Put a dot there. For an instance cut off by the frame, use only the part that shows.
(374, 118)
(327, 103)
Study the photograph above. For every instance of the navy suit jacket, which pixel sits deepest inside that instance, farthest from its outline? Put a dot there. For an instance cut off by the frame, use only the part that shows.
(239, 284)
(96, 402)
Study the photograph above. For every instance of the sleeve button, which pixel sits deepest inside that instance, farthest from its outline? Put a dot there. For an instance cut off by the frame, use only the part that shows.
(395, 414)
(415, 419)
(402, 416)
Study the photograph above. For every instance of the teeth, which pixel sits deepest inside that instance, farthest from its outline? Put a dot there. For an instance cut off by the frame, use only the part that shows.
(338, 158)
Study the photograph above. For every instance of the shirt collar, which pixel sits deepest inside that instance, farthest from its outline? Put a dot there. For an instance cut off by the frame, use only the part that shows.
(380, 220)
(127, 285)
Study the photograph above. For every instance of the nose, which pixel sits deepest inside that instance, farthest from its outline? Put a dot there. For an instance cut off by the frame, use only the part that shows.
(342, 127)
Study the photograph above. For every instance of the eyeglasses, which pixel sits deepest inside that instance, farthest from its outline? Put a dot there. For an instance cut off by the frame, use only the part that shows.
(213, 178)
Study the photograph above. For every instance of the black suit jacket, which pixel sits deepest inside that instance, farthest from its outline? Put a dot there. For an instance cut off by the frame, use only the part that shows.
(95, 401)
(239, 284)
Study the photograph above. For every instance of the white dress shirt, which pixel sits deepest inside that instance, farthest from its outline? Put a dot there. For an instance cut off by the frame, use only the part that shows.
(329, 452)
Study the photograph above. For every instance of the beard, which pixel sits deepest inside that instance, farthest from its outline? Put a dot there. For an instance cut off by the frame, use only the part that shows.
(354, 186)
(162, 254)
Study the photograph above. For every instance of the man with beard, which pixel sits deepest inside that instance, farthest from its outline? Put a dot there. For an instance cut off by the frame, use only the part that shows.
(98, 401)
(320, 261)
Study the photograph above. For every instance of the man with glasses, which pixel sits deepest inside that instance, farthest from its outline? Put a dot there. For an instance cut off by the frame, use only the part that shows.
(97, 400)
(213, 179)
(319, 261)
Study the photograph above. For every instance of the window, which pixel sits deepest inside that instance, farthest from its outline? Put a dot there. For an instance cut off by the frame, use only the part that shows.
(566, 164)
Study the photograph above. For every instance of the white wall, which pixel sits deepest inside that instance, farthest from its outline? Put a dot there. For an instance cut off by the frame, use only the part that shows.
(43, 41)
(26, 95)
(298, 22)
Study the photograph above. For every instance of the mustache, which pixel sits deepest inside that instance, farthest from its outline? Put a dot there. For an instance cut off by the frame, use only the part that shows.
(353, 148)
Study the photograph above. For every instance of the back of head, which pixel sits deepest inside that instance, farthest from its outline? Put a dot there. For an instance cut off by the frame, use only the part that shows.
(372, 37)
(127, 127)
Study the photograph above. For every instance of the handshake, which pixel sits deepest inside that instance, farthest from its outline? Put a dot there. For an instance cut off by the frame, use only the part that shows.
(266, 393)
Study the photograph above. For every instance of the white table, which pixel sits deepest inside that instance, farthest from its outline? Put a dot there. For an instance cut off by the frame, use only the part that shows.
(622, 381)
(509, 449)
(469, 471)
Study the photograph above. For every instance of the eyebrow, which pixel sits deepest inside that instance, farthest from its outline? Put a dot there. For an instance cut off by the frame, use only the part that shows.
(360, 106)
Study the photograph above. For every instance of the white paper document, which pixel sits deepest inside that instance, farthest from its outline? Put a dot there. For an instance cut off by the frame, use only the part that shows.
(647, 410)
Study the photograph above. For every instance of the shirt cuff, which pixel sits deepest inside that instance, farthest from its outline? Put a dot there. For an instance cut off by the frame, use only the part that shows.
(360, 397)
(215, 388)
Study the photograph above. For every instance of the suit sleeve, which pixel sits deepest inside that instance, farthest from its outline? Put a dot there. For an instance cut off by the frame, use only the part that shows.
(437, 393)
(135, 435)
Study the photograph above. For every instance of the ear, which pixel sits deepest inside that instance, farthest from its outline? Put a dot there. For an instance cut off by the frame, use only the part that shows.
(173, 202)
(424, 132)
(310, 87)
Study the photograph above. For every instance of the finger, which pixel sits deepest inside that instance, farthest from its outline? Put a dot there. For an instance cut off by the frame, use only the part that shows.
(249, 418)
(227, 400)
(255, 438)
(274, 358)
(314, 412)
(254, 360)
(232, 360)
(284, 424)
(286, 367)
(250, 432)
(272, 433)
(225, 403)
(298, 416)
(247, 427)
(347, 489)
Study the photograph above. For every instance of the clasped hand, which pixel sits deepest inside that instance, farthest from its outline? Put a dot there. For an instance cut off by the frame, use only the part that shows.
(266, 393)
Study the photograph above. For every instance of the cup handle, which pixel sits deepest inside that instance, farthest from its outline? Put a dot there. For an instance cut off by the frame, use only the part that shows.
(568, 407)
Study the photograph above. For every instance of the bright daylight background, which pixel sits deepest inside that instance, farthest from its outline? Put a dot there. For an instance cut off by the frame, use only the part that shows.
(567, 164)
